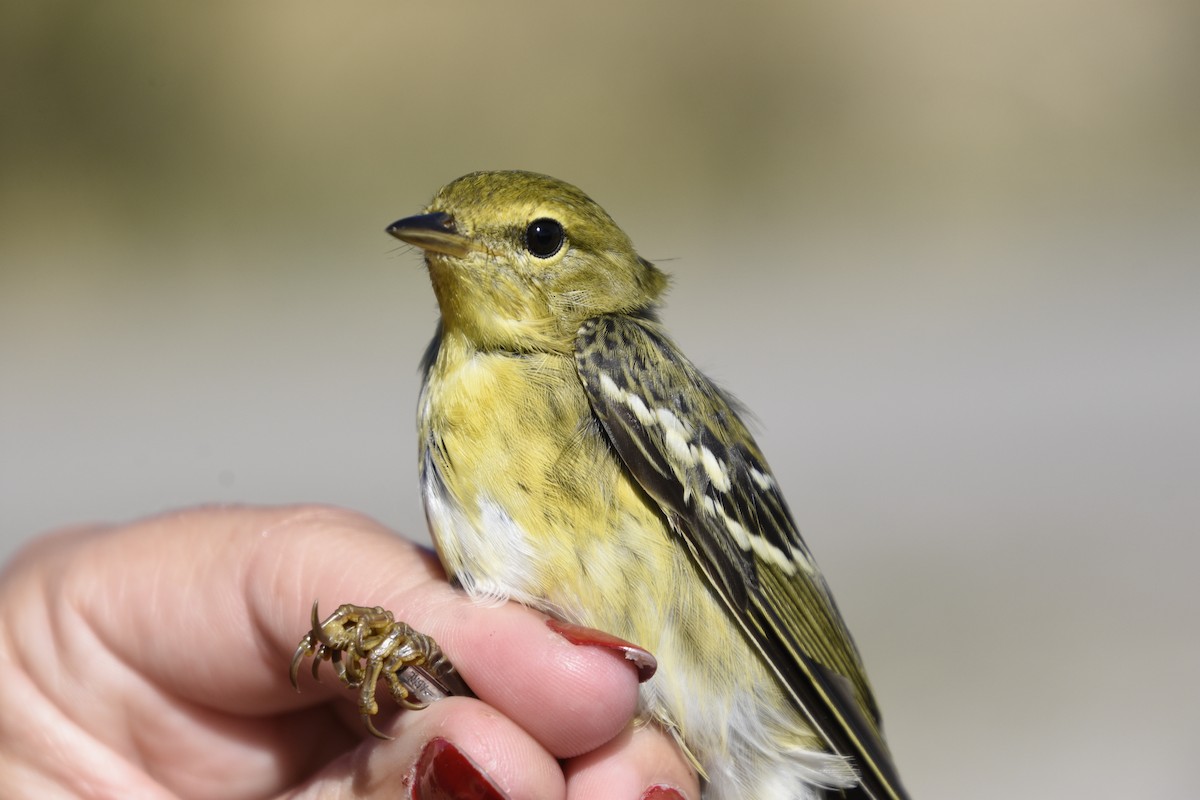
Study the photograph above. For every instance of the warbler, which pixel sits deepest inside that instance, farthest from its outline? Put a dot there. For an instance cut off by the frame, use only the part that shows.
(573, 459)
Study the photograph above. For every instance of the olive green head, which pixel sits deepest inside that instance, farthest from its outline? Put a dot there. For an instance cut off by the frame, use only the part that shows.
(519, 260)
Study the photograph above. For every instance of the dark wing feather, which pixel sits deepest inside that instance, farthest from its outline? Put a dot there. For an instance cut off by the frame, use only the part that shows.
(683, 441)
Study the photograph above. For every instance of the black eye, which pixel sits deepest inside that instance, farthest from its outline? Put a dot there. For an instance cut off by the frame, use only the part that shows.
(544, 237)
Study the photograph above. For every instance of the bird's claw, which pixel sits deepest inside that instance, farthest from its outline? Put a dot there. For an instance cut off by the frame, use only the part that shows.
(366, 644)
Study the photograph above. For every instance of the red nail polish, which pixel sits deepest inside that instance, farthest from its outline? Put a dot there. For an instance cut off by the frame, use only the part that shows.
(444, 772)
(646, 664)
(660, 791)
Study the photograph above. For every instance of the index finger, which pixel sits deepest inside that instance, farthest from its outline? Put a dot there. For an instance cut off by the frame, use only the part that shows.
(226, 593)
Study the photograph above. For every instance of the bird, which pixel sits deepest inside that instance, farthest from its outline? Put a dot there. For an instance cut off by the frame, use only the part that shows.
(573, 459)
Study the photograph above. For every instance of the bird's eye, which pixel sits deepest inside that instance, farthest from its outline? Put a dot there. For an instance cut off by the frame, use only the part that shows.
(544, 237)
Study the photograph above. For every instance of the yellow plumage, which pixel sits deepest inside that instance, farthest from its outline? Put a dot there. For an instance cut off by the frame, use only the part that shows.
(572, 459)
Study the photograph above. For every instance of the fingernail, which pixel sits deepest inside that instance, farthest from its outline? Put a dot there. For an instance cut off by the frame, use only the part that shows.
(444, 772)
(660, 791)
(577, 634)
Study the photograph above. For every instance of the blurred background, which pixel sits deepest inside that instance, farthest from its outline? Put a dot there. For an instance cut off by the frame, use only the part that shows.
(948, 253)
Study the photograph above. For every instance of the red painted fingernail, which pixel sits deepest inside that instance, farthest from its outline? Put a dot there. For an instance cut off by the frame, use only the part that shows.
(577, 634)
(444, 772)
(660, 791)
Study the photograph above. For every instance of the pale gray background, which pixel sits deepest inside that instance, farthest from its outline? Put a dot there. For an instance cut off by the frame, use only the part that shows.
(946, 251)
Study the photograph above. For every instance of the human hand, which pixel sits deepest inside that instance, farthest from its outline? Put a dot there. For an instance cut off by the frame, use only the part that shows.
(150, 660)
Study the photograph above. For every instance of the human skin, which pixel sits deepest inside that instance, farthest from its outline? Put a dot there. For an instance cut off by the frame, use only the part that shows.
(150, 660)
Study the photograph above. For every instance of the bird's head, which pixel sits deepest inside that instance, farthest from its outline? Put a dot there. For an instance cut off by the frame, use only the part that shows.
(519, 260)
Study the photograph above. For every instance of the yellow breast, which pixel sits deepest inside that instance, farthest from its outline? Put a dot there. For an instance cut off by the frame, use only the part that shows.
(523, 493)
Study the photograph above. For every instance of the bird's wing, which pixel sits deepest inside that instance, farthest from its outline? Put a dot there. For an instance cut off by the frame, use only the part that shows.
(683, 441)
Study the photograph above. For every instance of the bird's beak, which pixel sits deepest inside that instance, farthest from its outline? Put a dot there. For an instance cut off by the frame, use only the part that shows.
(433, 233)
